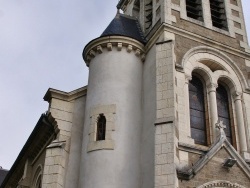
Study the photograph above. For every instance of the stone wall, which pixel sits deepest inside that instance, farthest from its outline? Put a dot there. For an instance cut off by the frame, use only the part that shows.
(214, 171)
(165, 131)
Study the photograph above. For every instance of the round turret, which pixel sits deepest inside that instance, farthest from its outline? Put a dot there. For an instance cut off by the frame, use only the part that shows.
(113, 122)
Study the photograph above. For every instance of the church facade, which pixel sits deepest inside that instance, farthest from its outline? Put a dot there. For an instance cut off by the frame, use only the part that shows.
(167, 105)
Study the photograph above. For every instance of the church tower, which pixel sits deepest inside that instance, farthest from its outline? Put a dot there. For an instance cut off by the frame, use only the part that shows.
(167, 105)
(165, 75)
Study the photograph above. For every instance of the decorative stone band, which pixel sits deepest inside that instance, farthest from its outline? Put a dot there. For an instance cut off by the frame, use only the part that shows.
(220, 183)
(97, 46)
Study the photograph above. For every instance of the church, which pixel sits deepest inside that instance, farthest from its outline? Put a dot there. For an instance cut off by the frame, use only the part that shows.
(167, 105)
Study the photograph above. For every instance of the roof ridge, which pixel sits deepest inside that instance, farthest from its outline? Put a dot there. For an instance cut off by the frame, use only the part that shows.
(140, 30)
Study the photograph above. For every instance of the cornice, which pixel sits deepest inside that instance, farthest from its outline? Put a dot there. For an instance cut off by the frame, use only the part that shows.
(97, 46)
(206, 41)
(65, 96)
(198, 38)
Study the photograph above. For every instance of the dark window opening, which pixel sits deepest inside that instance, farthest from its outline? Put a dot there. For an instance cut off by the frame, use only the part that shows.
(148, 14)
(197, 111)
(223, 110)
(218, 14)
(101, 127)
(136, 9)
(194, 9)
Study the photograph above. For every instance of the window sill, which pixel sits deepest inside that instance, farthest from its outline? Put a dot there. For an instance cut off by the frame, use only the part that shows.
(101, 145)
(198, 149)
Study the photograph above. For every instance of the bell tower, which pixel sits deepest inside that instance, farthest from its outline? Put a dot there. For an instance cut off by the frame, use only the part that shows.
(225, 17)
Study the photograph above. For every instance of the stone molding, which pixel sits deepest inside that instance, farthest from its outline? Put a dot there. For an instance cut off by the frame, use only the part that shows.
(192, 58)
(222, 142)
(109, 112)
(203, 40)
(65, 96)
(37, 175)
(110, 43)
(220, 183)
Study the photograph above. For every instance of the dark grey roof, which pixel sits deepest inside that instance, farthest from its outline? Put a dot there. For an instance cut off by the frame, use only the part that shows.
(123, 25)
(3, 173)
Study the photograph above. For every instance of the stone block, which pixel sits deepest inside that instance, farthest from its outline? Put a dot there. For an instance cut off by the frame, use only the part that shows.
(170, 179)
(64, 125)
(158, 170)
(161, 180)
(53, 169)
(158, 149)
(56, 151)
(49, 161)
(167, 129)
(167, 148)
(160, 139)
(158, 130)
(161, 159)
(61, 115)
(168, 169)
(61, 105)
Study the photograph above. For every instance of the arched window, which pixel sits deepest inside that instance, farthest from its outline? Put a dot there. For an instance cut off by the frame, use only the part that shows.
(218, 14)
(101, 127)
(39, 182)
(197, 111)
(37, 179)
(223, 110)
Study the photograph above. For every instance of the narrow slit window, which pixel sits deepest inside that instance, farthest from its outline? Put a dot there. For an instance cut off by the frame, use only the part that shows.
(218, 14)
(148, 14)
(197, 111)
(101, 127)
(194, 9)
(223, 110)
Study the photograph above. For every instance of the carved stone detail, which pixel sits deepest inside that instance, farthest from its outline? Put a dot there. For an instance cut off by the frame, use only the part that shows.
(109, 46)
(212, 87)
(99, 49)
(129, 48)
(220, 183)
(119, 46)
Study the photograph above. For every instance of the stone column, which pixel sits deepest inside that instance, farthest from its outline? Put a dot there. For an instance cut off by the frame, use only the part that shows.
(240, 122)
(187, 108)
(213, 108)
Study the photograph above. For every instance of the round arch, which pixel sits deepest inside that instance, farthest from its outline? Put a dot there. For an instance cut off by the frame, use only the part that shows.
(228, 79)
(202, 70)
(202, 54)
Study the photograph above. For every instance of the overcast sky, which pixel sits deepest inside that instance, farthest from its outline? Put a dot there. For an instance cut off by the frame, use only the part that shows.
(41, 43)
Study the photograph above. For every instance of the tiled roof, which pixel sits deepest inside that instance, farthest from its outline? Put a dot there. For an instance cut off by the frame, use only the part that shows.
(123, 25)
(3, 173)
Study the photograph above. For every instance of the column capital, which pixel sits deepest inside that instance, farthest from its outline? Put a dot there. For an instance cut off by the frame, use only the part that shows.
(237, 96)
(187, 78)
(212, 87)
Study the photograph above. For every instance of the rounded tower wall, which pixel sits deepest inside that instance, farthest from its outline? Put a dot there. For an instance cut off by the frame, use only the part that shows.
(115, 90)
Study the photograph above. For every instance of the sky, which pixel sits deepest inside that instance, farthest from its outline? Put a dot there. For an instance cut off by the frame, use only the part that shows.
(41, 45)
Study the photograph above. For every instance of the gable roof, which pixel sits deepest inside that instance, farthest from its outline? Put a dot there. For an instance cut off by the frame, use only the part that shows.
(221, 142)
(3, 173)
(124, 25)
(46, 129)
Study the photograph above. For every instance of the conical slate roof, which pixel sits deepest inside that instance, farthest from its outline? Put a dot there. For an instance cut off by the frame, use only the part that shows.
(123, 25)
